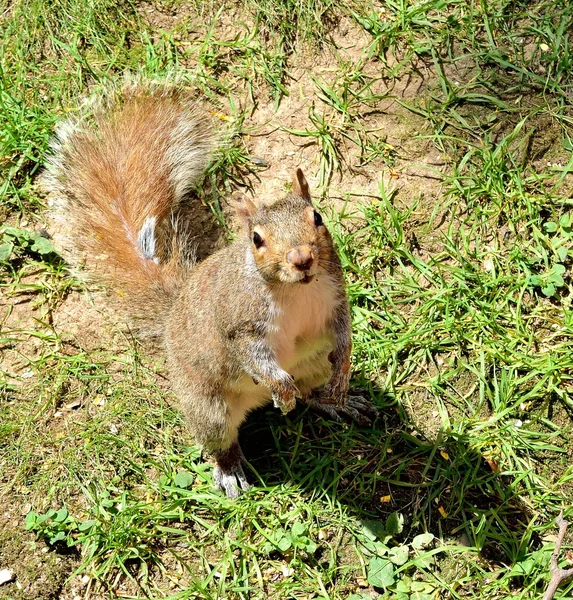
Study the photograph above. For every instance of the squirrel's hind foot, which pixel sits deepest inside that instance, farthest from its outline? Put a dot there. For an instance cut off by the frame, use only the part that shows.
(228, 475)
(356, 408)
(231, 482)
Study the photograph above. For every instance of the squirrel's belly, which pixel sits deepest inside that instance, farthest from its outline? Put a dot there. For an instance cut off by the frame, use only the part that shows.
(302, 350)
(243, 396)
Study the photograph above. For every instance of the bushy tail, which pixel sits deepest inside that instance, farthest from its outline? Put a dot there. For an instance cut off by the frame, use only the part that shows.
(120, 171)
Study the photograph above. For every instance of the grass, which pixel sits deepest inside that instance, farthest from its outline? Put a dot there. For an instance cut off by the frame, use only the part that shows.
(438, 136)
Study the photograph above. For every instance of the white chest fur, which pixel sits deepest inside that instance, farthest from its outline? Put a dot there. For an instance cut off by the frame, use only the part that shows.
(301, 319)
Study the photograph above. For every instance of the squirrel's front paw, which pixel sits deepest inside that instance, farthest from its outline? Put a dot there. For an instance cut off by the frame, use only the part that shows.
(284, 397)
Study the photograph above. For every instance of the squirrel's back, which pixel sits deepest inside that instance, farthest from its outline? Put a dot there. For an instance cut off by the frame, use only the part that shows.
(119, 172)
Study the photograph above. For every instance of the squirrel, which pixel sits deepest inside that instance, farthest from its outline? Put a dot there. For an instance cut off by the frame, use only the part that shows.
(265, 318)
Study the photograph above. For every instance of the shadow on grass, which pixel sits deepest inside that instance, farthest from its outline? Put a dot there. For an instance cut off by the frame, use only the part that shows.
(440, 486)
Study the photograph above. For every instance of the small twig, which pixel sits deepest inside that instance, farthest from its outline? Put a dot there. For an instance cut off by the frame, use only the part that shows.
(558, 576)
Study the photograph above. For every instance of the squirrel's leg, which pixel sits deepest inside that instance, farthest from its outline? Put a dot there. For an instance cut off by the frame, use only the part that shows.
(333, 399)
(336, 389)
(209, 420)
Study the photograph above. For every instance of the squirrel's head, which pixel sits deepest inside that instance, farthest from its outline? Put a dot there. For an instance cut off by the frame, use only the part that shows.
(288, 240)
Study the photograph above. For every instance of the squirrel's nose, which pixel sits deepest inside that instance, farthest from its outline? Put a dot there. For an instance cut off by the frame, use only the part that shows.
(301, 258)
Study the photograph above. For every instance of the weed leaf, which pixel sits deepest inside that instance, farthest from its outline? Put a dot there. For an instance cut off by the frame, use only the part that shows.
(422, 541)
(380, 572)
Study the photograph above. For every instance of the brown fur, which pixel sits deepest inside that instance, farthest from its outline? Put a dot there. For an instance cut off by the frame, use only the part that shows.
(113, 170)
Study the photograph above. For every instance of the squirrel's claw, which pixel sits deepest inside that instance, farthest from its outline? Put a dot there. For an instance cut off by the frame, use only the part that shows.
(231, 482)
(360, 410)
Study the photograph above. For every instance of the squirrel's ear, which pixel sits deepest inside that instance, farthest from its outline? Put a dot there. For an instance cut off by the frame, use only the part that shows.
(300, 185)
(244, 208)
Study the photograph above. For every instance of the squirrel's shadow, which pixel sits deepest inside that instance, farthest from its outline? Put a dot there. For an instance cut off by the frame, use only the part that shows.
(440, 486)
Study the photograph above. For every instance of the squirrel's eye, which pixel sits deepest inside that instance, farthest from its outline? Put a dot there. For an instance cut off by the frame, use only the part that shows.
(257, 240)
(317, 219)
